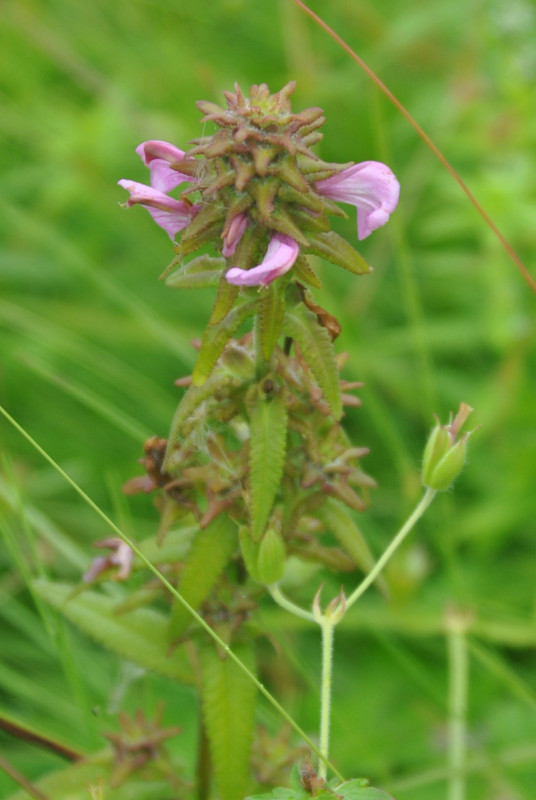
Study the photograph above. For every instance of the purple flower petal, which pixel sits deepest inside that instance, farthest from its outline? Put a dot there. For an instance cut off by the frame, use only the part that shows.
(371, 187)
(158, 156)
(234, 234)
(281, 254)
(170, 214)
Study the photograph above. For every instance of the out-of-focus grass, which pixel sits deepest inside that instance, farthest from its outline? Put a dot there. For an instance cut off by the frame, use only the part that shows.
(90, 344)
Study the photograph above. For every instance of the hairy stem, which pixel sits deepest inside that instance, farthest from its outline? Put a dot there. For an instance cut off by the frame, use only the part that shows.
(328, 629)
(393, 547)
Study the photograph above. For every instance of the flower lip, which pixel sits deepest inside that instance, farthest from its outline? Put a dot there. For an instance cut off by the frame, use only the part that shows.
(170, 214)
(280, 256)
(370, 186)
(158, 156)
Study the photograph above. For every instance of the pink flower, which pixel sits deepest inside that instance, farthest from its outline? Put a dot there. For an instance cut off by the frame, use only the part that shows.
(371, 187)
(232, 236)
(281, 254)
(158, 156)
(172, 215)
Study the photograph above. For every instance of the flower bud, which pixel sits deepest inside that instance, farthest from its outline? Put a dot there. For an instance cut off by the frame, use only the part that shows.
(444, 454)
(271, 558)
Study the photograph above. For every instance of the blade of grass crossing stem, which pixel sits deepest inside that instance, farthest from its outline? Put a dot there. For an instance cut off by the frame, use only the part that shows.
(85, 497)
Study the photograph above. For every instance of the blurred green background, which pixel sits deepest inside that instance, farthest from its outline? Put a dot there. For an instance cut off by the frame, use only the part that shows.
(91, 342)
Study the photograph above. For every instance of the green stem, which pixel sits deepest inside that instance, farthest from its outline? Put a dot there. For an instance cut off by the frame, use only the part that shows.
(328, 629)
(457, 701)
(393, 547)
(288, 605)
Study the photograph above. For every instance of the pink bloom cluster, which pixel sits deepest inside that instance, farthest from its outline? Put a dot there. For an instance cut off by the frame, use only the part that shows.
(369, 186)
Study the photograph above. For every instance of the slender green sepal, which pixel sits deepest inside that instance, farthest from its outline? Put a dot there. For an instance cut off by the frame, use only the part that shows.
(268, 431)
(210, 552)
(225, 300)
(228, 701)
(335, 249)
(317, 348)
(303, 271)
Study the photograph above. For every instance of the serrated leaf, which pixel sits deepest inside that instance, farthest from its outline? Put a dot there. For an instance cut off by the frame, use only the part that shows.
(317, 348)
(202, 272)
(354, 790)
(228, 698)
(271, 315)
(216, 337)
(335, 249)
(250, 551)
(211, 550)
(225, 299)
(304, 272)
(339, 522)
(140, 636)
(268, 432)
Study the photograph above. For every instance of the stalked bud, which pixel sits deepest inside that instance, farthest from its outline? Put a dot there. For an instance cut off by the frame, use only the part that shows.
(445, 453)
(271, 558)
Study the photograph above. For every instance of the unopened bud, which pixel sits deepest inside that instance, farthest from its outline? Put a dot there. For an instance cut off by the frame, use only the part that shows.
(444, 456)
(271, 558)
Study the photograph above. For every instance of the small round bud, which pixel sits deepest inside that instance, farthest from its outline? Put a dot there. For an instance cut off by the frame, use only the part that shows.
(271, 558)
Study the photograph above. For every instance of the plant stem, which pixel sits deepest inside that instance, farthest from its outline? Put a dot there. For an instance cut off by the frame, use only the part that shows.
(288, 605)
(457, 703)
(328, 629)
(393, 547)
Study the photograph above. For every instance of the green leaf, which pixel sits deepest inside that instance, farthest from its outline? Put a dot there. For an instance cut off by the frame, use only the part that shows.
(355, 790)
(268, 431)
(303, 271)
(211, 550)
(202, 272)
(216, 337)
(339, 522)
(335, 249)
(73, 782)
(228, 698)
(225, 299)
(317, 348)
(271, 315)
(140, 636)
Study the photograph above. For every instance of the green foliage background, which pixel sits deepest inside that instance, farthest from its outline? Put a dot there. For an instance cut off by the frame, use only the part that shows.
(91, 342)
